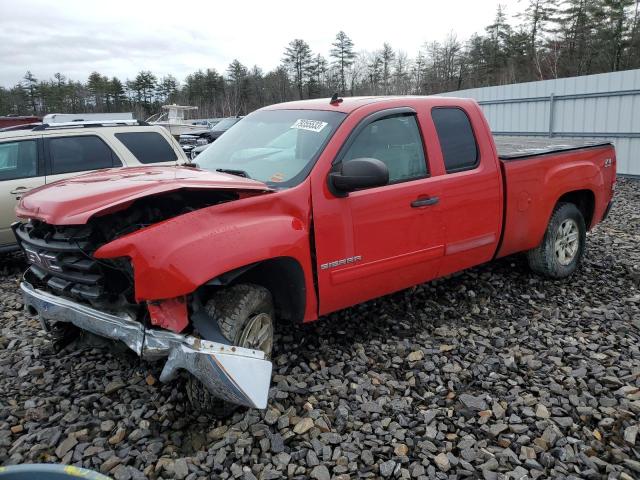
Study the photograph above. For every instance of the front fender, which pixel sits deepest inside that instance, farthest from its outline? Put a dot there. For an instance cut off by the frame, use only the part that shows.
(174, 257)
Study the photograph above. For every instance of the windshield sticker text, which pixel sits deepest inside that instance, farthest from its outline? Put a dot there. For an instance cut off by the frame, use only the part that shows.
(311, 125)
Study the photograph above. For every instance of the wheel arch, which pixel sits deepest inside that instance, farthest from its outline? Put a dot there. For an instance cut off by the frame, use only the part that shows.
(283, 276)
(584, 199)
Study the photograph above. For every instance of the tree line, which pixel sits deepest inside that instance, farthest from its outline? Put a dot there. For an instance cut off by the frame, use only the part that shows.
(549, 39)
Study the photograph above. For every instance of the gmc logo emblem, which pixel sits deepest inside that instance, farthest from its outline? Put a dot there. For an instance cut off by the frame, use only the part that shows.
(45, 260)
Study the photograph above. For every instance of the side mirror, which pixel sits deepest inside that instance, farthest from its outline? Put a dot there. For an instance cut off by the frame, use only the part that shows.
(358, 173)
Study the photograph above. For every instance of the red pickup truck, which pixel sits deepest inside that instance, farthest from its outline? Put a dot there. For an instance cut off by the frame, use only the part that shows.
(299, 210)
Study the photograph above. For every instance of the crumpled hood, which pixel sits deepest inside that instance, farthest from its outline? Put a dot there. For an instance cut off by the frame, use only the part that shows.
(75, 200)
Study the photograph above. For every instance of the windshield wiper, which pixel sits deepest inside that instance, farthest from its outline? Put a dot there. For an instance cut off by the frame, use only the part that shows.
(238, 173)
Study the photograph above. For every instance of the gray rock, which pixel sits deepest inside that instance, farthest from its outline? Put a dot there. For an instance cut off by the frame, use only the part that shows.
(107, 425)
(371, 407)
(630, 434)
(180, 468)
(367, 457)
(387, 468)
(65, 446)
(442, 461)
(114, 386)
(312, 459)
(109, 464)
(541, 411)
(320, 472)
(472, 402)
(277, 443)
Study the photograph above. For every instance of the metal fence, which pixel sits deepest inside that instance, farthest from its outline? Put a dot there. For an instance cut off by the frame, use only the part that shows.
(600, 106)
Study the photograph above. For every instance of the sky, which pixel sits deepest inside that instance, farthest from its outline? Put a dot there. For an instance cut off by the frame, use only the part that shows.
(120, 38)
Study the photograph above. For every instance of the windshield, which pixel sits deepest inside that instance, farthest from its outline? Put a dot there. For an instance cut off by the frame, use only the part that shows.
(225, 124)
(278, 147)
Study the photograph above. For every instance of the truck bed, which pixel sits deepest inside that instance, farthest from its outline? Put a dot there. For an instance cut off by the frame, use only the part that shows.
(536, 173)
(517, 148)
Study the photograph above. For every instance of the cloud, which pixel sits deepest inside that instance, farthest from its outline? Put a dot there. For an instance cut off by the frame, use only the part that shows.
(120, 38)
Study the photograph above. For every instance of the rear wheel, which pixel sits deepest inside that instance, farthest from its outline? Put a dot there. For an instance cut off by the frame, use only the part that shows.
(245, 316)
(563, 245)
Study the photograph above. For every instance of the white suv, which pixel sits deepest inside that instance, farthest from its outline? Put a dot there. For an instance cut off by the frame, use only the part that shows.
(32, 156)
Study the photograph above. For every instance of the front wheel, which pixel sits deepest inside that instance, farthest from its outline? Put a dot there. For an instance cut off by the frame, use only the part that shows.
(563, 245)
(245, 315)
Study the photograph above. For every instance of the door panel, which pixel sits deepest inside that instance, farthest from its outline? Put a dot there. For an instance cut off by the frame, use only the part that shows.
(472, 218)
(393, 245)
(472, 207)
(12, 191)
(19, 170)
(389, 237)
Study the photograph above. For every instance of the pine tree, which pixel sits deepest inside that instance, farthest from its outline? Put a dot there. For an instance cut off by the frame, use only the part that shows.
(236, 96)
(615, 31)
(498, 38)
(98, 86)
(116, 90)
(297, 58)
(343, 56)
(168, 89)
(577, 28)
(31, 88)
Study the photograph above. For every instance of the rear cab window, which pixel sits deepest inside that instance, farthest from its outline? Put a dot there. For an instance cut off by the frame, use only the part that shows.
(18, 159)
(148, 147)
(71, 154)
(456, 137)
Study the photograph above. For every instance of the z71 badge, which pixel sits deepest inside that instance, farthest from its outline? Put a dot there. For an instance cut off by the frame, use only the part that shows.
(342, 261)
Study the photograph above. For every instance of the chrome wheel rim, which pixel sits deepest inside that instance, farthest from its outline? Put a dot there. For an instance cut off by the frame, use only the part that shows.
(258, 334)
(567, 241)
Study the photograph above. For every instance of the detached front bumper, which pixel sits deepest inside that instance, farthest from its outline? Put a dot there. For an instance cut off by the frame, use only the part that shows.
(234, 374)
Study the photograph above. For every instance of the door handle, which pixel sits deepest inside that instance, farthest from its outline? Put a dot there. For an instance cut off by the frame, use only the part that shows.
(19, 190)
(424, 202)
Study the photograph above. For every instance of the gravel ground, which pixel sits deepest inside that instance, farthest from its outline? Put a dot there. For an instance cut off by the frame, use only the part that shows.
(494, 373)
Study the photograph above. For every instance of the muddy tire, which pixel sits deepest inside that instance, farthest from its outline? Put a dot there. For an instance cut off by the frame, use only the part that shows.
(245, 316)
(563, 245)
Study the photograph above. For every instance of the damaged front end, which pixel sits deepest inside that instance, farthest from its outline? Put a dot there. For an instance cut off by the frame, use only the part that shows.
(238, 375)
(67, 282)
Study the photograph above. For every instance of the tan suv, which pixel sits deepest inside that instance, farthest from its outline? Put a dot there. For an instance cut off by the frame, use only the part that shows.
(32, 156)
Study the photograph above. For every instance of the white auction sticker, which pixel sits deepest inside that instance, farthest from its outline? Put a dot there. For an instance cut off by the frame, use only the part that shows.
(311, 125)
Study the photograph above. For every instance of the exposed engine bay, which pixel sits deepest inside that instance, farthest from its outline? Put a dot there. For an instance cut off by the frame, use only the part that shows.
(62, 259)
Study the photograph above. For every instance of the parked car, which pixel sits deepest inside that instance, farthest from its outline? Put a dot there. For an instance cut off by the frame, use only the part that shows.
(300, 210)
(197, 138)
(16, 120)
(41, 154)
(197, 151)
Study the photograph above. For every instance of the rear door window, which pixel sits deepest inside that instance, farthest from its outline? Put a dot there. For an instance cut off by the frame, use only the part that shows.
(148, 147)
(18, 159)
(458, 144)
(80, 154)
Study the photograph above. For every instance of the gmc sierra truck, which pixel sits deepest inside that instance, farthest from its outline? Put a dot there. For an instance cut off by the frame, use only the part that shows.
(301, 209)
